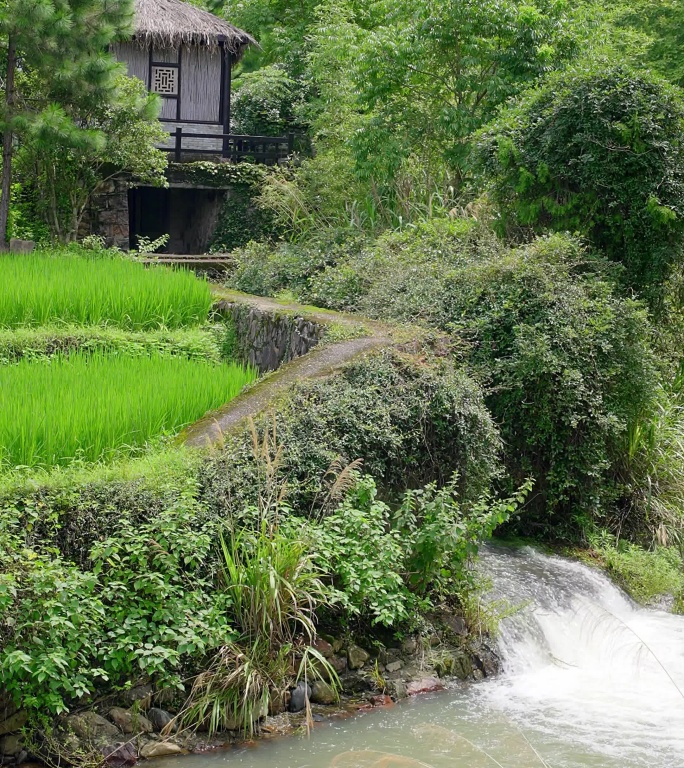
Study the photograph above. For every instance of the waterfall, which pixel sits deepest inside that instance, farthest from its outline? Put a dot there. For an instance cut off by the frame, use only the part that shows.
(590, 680)
(584, 663)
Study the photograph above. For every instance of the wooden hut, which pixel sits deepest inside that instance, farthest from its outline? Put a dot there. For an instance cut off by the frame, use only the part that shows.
(186, 54)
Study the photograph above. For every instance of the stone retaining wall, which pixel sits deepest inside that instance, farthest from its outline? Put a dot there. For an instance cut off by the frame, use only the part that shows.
(266, 340)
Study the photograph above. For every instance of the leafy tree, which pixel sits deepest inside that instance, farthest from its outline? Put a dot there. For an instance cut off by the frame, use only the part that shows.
(266, 102)
(57, 45)
(66, 168)
(599, 150)
(651, 32)
(435, 71)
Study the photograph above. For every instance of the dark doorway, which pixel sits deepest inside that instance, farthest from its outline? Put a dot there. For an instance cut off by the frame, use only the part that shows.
(188, 216)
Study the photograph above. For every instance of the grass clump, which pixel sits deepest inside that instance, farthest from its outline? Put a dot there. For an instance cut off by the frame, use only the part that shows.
(34, 343)
(98, 406)
(648, 575)
(45, 287)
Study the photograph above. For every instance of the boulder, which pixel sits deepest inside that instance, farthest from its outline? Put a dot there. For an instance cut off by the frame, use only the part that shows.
(299, 697)
(11, 744)
(120, 755)
(323, 693)
(139, 694)
(21, 246)
(426, 685)
(160, 749)
(324, 648)
(14, 722)
(338, 663)
(278, 702)
(409, 646)
(357, 657)
(455, 623)
(398, 689)
(394, 666)
(91, 727)
(130, 722)
(160, 718)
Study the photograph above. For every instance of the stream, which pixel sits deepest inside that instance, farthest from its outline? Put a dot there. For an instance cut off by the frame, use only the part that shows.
(590, 679)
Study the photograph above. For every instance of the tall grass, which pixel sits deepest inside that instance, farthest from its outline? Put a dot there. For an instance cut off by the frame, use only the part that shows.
(40, 288)
(102, 406)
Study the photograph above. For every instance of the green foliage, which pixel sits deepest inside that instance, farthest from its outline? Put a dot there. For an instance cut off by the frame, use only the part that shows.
(46, 340)
(267, 270)
(567, 364)
(220, 175)
(650, 33)
(94, 406)
(271, 582)
(143, 606)
(54, 71)
(387, 565)
(568, 367)
(598, 149)
(45, 287)
(135, 547)
(356, 543)
(241, 221)
(265, 103)
(649, 575)
(410, 423)
(64, 171)
(653, 469)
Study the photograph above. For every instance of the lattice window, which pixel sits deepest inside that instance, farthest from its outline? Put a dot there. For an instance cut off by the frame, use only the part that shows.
(165, 81)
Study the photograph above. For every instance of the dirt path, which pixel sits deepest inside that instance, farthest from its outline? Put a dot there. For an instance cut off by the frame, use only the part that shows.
(321, 360)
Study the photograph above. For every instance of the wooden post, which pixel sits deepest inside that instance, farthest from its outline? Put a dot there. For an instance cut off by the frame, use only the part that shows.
(290, 143)
(179, 144)
(225, 103)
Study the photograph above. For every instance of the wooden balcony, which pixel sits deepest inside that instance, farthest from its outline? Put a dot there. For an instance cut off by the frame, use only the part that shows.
(268, 150)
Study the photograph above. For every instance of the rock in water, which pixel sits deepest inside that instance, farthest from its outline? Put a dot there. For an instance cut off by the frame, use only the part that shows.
(323, 693)
(299, 697)
(160, 749)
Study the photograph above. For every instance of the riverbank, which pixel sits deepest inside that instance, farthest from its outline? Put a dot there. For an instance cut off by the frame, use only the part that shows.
(131, 575)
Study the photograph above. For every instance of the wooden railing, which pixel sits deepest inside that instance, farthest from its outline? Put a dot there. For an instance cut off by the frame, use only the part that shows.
(260, 149)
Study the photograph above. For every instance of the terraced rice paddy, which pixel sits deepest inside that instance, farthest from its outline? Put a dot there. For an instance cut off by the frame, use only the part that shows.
(99, 406)
(43, 287)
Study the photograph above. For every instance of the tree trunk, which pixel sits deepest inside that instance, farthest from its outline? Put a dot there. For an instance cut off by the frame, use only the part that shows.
(6, 184)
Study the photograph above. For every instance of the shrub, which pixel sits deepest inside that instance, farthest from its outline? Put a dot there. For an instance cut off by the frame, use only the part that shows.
(267, 270)
(241, 221)
(75, 287)
(410, 422)
(567, 364)
(568, 367)
(598, 149)
(388, 565)
(143, 606)
(649, 575)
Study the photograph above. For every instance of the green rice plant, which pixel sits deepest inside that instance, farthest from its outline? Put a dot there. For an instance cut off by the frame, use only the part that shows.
(45, 287)
(96, 407)
(200, 343)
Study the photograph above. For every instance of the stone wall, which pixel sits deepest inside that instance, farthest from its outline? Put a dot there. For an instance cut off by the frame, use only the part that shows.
(107, 214)
(266, 340)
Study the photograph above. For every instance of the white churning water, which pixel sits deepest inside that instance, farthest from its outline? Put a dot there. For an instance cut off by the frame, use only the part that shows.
(589, 679)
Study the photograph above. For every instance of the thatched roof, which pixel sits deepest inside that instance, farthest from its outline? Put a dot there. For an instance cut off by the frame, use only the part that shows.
(171, 23)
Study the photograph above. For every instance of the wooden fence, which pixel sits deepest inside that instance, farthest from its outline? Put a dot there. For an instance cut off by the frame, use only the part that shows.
(259, 149)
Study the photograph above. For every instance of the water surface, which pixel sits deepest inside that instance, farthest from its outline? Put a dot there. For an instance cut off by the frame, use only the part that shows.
(589, 679)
